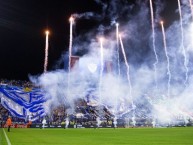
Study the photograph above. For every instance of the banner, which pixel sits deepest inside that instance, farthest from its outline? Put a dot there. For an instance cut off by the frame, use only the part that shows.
(21, 103)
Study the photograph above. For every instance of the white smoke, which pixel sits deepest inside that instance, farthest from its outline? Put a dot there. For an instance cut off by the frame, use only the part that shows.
(136, 28)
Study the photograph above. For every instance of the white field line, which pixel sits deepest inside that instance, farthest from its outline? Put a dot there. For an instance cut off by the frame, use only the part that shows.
(7, 139)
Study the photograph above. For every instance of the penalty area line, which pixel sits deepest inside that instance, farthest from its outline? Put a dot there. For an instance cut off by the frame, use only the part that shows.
(7, 139)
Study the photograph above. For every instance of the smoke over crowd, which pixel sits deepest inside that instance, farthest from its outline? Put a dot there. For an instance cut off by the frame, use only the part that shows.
(149, 93)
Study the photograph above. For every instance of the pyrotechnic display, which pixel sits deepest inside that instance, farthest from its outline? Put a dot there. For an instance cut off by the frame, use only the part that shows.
(46, 50)
(134, 67)
(130, 82)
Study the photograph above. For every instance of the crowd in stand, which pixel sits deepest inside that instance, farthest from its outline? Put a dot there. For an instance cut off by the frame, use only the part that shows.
(57, 115)
(18, 83)
(4, 114)
(83, 111)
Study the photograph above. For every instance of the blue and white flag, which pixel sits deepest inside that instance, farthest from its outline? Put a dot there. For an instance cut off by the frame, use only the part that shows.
(22, 103)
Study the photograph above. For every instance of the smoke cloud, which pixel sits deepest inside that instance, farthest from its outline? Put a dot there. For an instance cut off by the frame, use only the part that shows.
(113, 92)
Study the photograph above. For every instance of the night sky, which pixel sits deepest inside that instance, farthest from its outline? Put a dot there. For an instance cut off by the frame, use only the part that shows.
(22, 37)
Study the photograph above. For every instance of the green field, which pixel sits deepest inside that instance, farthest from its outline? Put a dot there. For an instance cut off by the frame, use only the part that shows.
(126, 136)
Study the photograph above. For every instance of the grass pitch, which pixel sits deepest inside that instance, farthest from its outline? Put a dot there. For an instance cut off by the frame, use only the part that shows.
(126, 136)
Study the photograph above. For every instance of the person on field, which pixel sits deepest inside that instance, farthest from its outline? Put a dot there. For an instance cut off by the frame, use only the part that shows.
(29, 124)
(44, 123)
(9, 123)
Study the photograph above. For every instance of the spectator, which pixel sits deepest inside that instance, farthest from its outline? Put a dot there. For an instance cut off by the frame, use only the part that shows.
(9, 123)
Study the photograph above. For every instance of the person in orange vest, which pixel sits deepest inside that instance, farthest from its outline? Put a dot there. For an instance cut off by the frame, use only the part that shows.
(29, 124)
(9, 123)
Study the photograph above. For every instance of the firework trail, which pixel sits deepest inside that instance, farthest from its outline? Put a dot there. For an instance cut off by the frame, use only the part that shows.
(46, 52)
(70, 42)
(70, 54)
(128, 78)
(126, 63)
(102, 68)
(118, 65)
(117, 37)
(168, 60)
(182, 43)
(153, 41)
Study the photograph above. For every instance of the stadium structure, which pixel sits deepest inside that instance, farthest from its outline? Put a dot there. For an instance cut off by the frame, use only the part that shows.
(111, 86)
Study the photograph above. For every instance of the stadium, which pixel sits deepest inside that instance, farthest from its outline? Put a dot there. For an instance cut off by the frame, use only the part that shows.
(109, 91)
